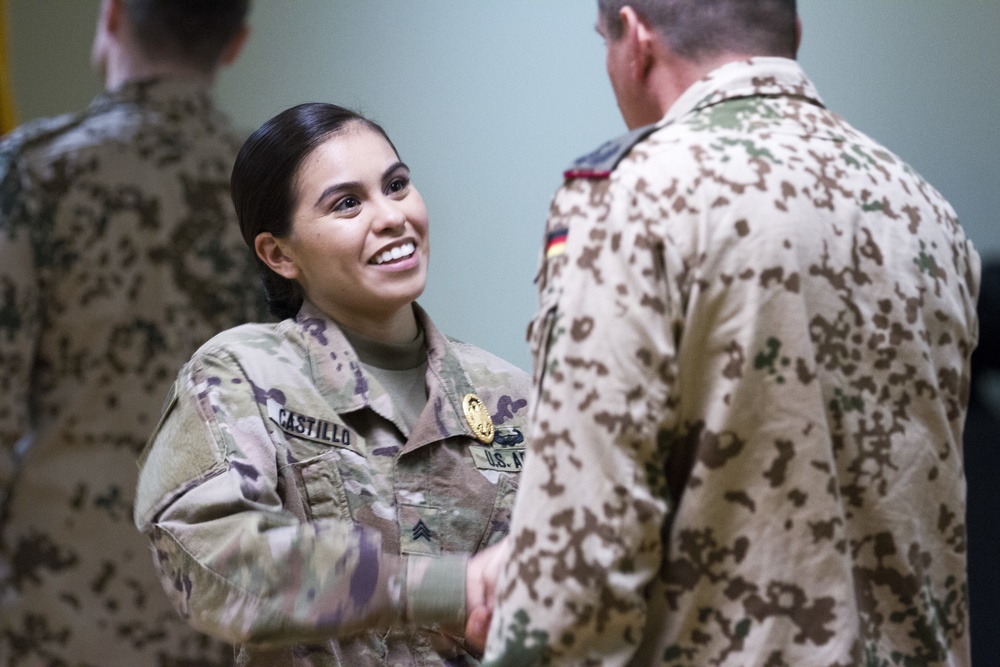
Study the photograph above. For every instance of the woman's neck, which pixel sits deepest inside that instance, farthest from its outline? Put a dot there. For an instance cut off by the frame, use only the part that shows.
(389, 356)
(400, 327)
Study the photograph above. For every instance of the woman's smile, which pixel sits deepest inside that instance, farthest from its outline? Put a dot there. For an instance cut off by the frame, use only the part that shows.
(395, 255)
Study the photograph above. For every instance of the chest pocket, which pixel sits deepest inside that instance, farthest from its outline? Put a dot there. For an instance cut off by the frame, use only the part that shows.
(322, 454)
(544, 325)
(498, 524)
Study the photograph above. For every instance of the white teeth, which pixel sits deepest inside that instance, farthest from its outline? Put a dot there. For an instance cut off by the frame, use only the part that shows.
(404, 250)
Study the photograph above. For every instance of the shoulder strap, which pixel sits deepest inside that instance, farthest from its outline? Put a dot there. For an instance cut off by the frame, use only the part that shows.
(601, 162)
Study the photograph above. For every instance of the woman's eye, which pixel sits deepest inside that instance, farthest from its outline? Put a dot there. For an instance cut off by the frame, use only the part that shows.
(346, 203)
(398, 184)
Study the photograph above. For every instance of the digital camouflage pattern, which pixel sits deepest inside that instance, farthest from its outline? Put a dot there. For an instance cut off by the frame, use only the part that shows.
(120, 254)
(293, 511)
(752, 367)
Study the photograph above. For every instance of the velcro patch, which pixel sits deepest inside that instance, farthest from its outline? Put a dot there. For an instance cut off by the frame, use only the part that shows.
(555, 242)
(508, 459)
(311, 428)
(418, 530)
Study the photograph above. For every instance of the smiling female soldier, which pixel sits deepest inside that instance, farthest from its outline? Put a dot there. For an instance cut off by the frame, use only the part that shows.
(315, 488)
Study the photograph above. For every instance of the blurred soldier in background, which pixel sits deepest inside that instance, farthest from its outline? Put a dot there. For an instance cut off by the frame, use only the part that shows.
(119, 255)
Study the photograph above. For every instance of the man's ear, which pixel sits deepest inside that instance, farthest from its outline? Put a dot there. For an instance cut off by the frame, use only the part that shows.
(640, 42)
(235, 46)
(798, 35)
(269, 249)
(110, 17)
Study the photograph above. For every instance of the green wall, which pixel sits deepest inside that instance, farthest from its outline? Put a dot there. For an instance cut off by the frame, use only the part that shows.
(488, 100)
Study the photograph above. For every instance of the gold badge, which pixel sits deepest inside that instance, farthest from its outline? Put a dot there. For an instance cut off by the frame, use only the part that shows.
(478, 417)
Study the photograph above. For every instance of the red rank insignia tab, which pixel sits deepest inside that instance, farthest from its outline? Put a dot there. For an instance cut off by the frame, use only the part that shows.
(586, 173)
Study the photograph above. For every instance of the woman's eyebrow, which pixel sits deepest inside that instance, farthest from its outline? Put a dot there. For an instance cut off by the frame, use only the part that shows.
(352, 185)
(334, 189)
(395, 167)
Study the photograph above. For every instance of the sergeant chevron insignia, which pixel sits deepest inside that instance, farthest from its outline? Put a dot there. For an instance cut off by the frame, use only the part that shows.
(421, 531)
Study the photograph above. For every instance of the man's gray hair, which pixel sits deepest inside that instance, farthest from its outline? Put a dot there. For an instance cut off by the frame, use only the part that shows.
(700, 29)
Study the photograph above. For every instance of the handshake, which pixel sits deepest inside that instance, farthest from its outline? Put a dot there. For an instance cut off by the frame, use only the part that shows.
(480, 592)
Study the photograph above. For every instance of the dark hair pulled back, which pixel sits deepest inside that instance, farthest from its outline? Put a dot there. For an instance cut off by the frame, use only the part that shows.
(263, 182)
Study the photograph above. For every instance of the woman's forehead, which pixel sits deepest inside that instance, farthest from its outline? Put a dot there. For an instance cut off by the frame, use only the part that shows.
(359, 155)
(353, 146)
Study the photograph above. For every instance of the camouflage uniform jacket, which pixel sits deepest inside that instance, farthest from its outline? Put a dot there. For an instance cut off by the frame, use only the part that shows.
(292, 511)
(751, 357)
(120, 254)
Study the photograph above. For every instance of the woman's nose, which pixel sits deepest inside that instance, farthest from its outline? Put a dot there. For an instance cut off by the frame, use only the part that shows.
(390, 216)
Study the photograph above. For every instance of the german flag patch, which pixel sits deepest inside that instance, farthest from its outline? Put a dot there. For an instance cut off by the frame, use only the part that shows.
(555, 243)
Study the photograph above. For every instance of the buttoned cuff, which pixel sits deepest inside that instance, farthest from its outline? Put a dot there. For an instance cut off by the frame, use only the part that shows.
(435, 589)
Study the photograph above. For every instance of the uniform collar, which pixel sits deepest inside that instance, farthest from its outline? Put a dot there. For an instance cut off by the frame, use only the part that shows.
(756, 77)
(338, 374)
(184, 96)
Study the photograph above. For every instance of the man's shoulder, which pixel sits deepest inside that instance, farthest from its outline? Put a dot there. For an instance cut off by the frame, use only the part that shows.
(77, 136)
(107, 125)
(649, 148)
(600, 162)
(38, 133)
(22, 150)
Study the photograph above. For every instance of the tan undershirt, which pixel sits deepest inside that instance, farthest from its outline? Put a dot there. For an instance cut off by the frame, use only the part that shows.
(400, 368)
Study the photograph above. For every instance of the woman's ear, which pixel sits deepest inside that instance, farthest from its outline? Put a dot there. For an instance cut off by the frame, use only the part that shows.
(269, 249)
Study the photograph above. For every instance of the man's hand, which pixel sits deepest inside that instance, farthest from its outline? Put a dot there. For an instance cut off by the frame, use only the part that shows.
(480, 592)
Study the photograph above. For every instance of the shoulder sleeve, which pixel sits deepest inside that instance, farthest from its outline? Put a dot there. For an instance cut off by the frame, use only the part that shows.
(235, 561)
(592, 499)
(20, 318)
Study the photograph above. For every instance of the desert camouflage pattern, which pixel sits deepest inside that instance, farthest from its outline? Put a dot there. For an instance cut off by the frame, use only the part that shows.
(752, 368)
(120, 254)
(293, 511)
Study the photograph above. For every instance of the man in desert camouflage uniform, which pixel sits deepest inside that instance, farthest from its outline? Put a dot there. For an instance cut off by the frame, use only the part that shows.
(120, 254)
(752, 368)
(295, 507)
